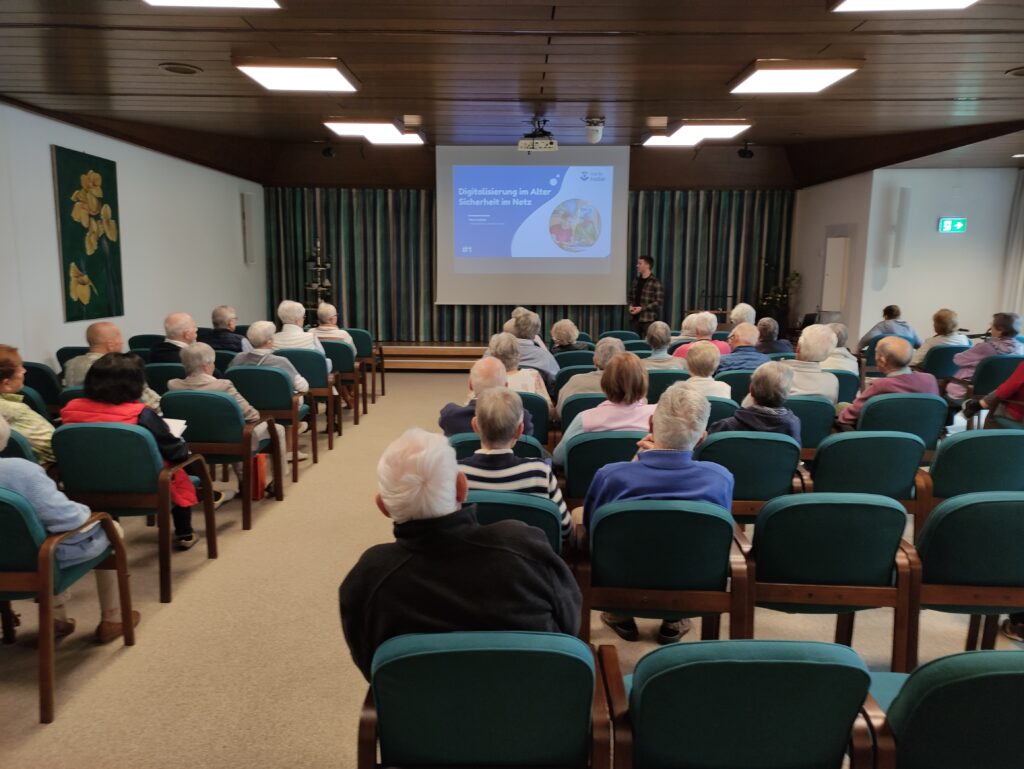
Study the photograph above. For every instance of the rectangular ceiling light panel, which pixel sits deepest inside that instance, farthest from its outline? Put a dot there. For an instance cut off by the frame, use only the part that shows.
(298, 77)
(375, 133)
(868, 6)
(786, 76)
(214, 3)
(692, 134)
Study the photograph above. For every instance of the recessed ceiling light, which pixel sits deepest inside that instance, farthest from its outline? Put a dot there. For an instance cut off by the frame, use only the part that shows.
(215, 3)
(902, 5)
(375, 133)
(1018, 156)
(692, 134)
(299, 74)
(179, 68)
(792, 76)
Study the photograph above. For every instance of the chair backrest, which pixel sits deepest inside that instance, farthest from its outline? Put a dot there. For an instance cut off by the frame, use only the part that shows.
(64, 354)
(577, 404)
(782, 355)
(466, 443)
(142, 352)
(828, 539)
(816, 414)
(20, 532)
(539, 412)
(721, 408)
(482, 699)
(622, 334)
(762, 464)
(938, 361)
(588, 452)
(660, 380)
(721, 336)
(993, 371)
(637, 345)
(341, 355)
(849, 384)
(960, 711)
(797, 701)
(265, 387)
(978, 460)
(362, 340)
(223, 358)
(212, 417)
(567, 373)
(18, 446)
(107, 457)
(35, 401)
(492, 506)
(242, 328)
(661, 545)
(679, 343)
(41, 378)
(574, 358)
(159, 374)
(145, 340)
(869, 350)
(738, 381)
(921, 414)
(584, 337)
(68, 394)
(872, 462)
(310, 364)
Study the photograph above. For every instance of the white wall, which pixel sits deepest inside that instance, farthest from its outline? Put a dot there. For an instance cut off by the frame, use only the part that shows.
(180, 234)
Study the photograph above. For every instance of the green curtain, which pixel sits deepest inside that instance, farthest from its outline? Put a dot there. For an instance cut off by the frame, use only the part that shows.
(712, 248)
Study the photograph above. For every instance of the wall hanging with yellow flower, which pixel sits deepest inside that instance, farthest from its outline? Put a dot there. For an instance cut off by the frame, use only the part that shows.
(89, 236)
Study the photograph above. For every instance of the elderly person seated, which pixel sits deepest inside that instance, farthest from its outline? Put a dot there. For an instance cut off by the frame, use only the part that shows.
(769, 389)
(892, 355)
(526, 327)
(664, 469)
(891, 324)
(34, 428)
(742, 313)
(703, 362)
(703, 326)
(945, 322)
(1007, 399)
(564, 335)
(743, 356)
(686, 332)
(624, 382)
(505, 348)
(180, 331)
(103, 337)
(841, 358)
(223, 335)
(446, 572)
(56, 513)
(495, 467)
(659, 336)
(291, 336)
(487, 373)
(510, 325)
(1002, 340)
(590, 381)
(327, 326)
(261, 337)
(816, 342)
(768, 340)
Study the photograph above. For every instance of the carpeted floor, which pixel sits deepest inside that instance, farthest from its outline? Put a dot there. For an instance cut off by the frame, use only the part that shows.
(248, 667)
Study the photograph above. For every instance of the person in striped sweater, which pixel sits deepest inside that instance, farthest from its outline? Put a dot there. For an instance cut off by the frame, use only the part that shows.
(494, 466)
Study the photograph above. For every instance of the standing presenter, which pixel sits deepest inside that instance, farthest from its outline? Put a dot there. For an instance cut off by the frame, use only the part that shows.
(646, 297)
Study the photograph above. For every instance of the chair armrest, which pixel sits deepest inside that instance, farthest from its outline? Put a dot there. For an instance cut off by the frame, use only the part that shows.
(741, 540)
(600, 721)
(367, 740)
(861, 750)
(881, 734)
(190, 460)
(913, 560)
(805, 480)
(618, 703)
(50, 543)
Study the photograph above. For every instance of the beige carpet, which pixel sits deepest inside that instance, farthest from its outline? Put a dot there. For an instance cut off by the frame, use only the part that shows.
(248, 667)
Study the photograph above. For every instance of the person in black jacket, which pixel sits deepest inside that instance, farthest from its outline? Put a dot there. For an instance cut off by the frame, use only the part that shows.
(769, 387)
(223, 335)
(180, 332)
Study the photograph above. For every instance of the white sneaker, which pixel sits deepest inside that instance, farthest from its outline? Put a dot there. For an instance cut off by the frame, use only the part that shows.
(302, 455)
(303, 428)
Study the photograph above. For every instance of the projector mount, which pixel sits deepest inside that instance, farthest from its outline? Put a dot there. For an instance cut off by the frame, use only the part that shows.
(539, 139)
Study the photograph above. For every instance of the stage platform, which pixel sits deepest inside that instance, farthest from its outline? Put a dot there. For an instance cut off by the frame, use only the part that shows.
(426, 356)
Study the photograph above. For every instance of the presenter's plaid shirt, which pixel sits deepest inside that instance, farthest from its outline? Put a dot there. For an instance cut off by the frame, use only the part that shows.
(651, 299)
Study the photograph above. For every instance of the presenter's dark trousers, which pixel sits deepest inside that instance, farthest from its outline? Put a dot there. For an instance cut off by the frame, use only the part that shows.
(640, 326)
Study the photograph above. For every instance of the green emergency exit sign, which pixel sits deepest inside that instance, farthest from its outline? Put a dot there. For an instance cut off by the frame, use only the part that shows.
(951, 225)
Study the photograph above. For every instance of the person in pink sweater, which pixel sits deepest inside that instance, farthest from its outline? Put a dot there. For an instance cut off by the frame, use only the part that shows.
(1002, 341)
(892, 355)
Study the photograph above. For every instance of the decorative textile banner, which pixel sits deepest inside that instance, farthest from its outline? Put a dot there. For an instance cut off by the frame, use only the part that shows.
(711, 248)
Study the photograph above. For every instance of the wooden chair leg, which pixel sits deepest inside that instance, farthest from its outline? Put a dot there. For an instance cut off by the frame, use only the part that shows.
(314, 432)
(380, 364)
(9, 622)
(277, 456)
(373, 379)
(363, 385)
(988, 633)
(209, 516)
(973, 631)
(151, 520)
(124, 592)
(246, 491)
(330, 420)
(163, 535)
(293, 429)
(355, 398)
(47, 642)
(710, 627)
(844, 628)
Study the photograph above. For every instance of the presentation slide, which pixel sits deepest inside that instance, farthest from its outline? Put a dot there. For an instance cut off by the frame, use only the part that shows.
(510, 223)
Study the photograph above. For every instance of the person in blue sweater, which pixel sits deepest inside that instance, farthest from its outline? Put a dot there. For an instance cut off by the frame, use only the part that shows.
(744, 355)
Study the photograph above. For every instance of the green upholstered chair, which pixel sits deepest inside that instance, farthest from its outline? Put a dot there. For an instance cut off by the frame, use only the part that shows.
(370, 355)
(663, 559)
(586, 453)
(117, 468)
(951, 713)
(817, 415)
(637, 346)
(574, 358)
(738, 381)
(142, 352)
(971, 559)
(567, 373)
(938, 361)
(533, 510)
(540, 413)
(659, 380)
(159, 374)
(721, 336)
(797, 702)
(242, 328)
(145, 340)
(721, 408)
(585, 337)
(18, 446)
(269, 390)
(223, 358)
(921, 414)
(484, 699)
(68, 394)
(217, 430)
(988, 375)
(762, 464)
(34, 401)
(64, 354)
(835, 554)
(622, 334)
(782, 355)
(312, 366)
(866, 357)
(28, 570)
(577, 404)
(466, 443)
(349, 377)
(41, 378)
(849, 384)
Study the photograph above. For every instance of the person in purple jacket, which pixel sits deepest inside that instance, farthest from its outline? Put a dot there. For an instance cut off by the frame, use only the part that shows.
(892, 356)
(1002, 341)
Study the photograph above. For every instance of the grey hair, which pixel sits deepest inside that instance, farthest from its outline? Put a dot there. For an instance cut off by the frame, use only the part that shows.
(841, 332)
(702, 358)
(742, 313)
(686, 329)
(505, 348)
(197, 355)
(5, 433)
(260, 332)
(816, 343)
(176, 324)
(564, 332)
(745, 334)
(291, 312)
(680, 417)
(606, 349)
(499, 411)
(222, 315)
(771, 383)
(416, 476)
(768, 329)
(325, 312)
(527, 325)
(704, 324)
(487, 373)
(659, 335)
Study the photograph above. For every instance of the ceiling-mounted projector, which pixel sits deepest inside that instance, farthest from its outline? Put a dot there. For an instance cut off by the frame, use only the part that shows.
(539, 139)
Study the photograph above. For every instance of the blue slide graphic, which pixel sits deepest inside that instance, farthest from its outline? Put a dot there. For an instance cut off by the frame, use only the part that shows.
(532, 211)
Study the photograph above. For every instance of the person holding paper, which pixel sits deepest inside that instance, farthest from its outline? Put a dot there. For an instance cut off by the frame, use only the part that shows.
(646, 296)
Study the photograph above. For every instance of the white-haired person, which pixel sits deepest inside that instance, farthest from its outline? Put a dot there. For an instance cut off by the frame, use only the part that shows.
(291, 336)
(841, 359)
(686, 332)
(946, 324)
(180, 330)
(261, 337)
(445, 572)
(526, 328)
(56, 513)
(744, 356)
(103, 337)
(703, 326)
(1002, 340)
(816, 342)
(659, 336)
(768, 340)
(327, 326)
(769, 389)
(892, 355)
(664, 469)
(703, 363)
(624, 382)
(486, 373)
(223, 335)
(565, 336)
(495, 467)
(510, 325)
(506, 348)
(891, 324)
(742, 313)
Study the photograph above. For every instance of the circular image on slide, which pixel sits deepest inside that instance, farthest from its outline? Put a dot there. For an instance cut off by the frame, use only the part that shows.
(574, 225)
